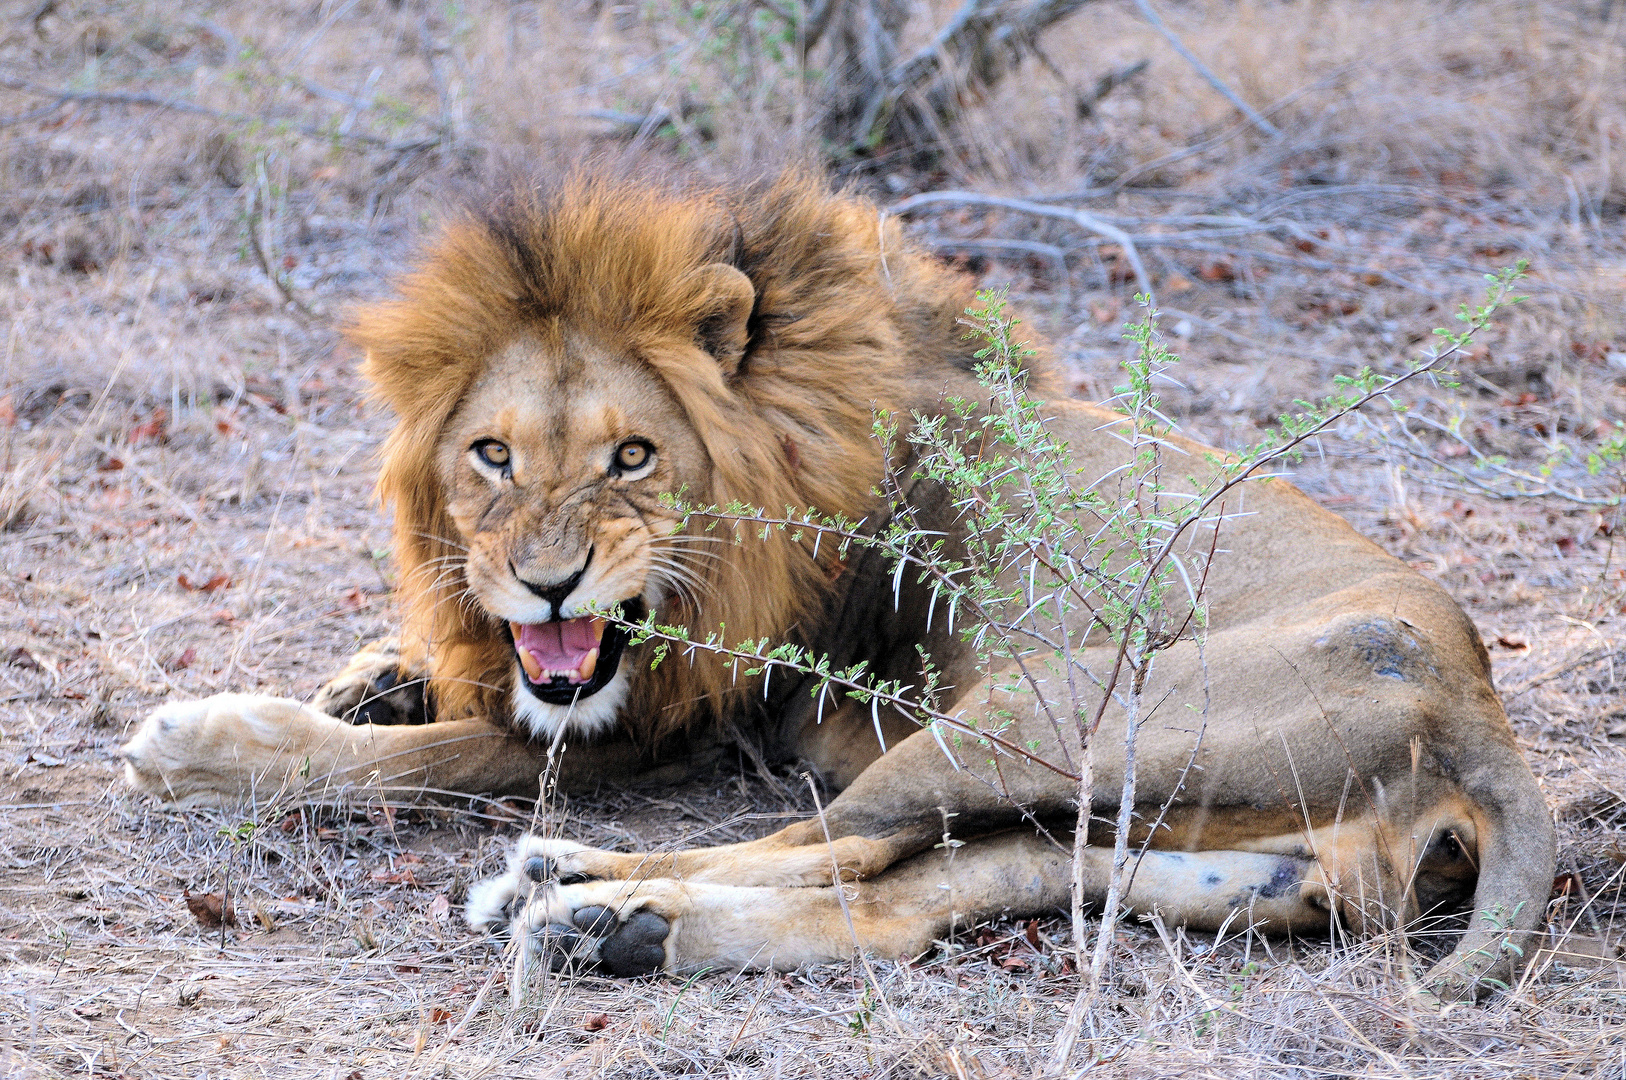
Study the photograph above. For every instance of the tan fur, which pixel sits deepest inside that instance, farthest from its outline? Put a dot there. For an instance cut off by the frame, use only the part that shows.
(1350, 756)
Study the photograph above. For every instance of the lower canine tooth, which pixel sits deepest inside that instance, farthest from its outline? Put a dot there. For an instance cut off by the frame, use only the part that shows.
(589, 665)
(533, 670)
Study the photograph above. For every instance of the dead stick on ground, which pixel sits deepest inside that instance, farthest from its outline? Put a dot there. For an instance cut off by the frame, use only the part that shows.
(265, 262)
(1086, 221)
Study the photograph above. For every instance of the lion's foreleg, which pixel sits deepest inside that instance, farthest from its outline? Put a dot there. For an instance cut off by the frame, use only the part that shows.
(793, 857)
(640, 926)
(643, 925)
(236, 746)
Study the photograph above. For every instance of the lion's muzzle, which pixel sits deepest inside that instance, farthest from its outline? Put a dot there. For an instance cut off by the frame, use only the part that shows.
(567, 660)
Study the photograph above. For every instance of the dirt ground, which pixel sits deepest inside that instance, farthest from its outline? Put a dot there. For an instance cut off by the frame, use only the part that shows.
(192, 195)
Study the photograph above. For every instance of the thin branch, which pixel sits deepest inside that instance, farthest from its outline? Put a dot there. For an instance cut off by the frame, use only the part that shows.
(910, 707)
(1081, 218)
(1202, 69)
(265, 260)
(816, 23)
(973, 31)
(33, 114)
(1526, 485)
(1109, 82)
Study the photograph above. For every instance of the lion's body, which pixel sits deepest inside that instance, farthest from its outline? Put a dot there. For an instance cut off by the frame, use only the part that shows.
(1343, 749)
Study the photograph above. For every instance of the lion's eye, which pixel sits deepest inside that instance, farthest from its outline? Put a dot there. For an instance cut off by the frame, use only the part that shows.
(633, 455)
(491, 452)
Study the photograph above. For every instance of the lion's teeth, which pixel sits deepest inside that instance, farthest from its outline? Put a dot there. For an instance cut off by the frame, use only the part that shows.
(589, 665)
(533, 670)
(598, 625)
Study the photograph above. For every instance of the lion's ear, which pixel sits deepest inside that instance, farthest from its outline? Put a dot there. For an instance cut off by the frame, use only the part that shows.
(723, 330)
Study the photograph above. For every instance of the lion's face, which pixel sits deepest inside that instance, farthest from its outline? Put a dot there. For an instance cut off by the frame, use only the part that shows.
(554, 466)
(558, 363)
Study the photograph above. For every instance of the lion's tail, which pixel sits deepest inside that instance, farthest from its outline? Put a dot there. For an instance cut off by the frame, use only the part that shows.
(1517, 851)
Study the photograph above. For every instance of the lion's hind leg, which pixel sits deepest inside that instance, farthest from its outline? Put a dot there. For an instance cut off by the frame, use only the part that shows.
(1211, 891)
(379, 685)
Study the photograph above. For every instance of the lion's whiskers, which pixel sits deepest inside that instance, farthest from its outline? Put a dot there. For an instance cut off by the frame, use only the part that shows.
(440, 561)
(448, 571)
(442, 540)
(688, 584)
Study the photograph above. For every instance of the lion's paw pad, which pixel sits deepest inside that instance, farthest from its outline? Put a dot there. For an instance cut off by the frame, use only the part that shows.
(626, 947)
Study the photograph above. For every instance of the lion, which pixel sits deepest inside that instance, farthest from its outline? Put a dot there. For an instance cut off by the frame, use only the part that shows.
(573, 362)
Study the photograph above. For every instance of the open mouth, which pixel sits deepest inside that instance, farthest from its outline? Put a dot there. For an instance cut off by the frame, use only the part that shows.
(568, 660)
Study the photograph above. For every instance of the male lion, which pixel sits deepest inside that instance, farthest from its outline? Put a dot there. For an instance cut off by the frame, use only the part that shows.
(563, 360)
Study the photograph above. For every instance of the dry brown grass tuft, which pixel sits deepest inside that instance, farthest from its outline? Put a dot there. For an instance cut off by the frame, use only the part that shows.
(187, 456)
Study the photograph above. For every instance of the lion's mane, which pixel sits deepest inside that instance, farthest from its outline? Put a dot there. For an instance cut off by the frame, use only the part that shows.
(849, 319)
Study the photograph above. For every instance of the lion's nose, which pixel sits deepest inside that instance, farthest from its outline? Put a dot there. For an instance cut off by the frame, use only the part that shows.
(556, 592)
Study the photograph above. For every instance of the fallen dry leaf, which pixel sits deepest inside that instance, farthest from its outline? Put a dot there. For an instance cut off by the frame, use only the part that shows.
(154, 428)
(211, 909)
(214, 584)
(397, 877)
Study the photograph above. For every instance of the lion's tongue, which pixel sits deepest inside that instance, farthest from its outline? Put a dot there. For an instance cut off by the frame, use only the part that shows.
(553, 649)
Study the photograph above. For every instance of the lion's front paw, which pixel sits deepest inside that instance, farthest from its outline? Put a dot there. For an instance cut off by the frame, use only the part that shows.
(375, 688)
(535, 863)
(226, 746)
(606, 924)
(547, 901)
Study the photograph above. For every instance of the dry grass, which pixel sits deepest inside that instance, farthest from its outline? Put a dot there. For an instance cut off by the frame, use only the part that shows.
(187, 464)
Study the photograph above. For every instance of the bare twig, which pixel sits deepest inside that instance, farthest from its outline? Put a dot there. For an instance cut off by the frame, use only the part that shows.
(1523, 484)
(1105, 85)
(33, 114)
(264, 260)
(977, 31)
(1254, 118)
(876, 97)
(1081, 218)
